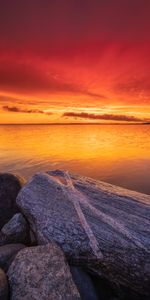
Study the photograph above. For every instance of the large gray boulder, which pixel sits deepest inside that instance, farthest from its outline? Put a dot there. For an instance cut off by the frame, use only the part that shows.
(10, 186)
(15, 231)
(103, 227)
(8, 253)
(41, 272)
(3, 286)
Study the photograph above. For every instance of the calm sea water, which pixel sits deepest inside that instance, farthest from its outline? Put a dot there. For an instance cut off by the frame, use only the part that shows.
(119, 154)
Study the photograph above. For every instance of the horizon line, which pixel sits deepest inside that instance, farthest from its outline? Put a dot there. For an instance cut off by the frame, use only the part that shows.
(78, 123)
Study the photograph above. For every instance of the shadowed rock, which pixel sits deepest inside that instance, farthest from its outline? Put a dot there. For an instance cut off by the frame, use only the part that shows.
(8, 253)
(15, 231)
(41, 273)
(10, 185)
(103, 227)
(84, 284)
(3, 286)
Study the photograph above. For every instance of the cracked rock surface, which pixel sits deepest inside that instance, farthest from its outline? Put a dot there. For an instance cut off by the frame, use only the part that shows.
(100, 226)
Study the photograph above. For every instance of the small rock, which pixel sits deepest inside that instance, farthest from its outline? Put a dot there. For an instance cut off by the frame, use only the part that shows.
(3, 286)
(7, 254)
(41, 273)
(10, 185)
(15, 231)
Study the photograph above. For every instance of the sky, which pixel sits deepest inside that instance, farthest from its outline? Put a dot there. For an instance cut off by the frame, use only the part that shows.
(70, 61)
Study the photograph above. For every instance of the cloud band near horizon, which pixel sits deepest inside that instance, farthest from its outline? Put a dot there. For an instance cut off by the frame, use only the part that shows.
(107, 117)
(24, 110)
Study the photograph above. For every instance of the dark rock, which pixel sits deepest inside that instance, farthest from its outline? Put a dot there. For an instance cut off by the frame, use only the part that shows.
(15, 231)
(91, 287)
(10, 185)
(84, 284)
(100, 226)
(103, 288)
(33, 239)
(3, 286)
(8, 253)
(41, 273)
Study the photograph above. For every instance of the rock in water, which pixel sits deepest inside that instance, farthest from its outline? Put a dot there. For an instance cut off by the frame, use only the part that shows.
(41, 273)
(10, 185)
(101, 226)
(8, 253)
(15, 231)
(3, 286)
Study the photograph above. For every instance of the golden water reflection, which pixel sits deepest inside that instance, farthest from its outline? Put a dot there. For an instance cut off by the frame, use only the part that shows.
(118, 154)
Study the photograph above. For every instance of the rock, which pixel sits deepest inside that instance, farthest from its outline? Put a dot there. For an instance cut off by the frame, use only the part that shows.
(100, 226)
(103, 288)
(41, 272)
(33, 238)
(91, 287)
(8, 253)
(15, 231)
(10, 185)
(84, 284)
(3, 286)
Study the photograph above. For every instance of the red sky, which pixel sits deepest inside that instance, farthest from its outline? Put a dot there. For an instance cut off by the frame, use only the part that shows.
(74, 61)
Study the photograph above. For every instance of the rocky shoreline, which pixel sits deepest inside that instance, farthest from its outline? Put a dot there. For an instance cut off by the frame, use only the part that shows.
(67, 237)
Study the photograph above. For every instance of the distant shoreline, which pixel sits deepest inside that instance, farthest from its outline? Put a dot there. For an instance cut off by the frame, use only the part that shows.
(68, 124)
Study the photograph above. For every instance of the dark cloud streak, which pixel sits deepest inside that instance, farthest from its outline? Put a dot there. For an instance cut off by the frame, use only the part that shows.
(24, 110)
(107, 117)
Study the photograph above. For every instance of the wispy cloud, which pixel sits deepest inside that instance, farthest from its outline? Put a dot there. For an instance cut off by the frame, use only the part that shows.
(26, 78)
(109, 117)
(24, 110)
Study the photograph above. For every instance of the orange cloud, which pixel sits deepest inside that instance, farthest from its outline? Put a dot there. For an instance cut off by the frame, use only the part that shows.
(20, 76)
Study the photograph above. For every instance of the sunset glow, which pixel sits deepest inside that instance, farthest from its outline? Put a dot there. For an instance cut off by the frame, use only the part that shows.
(74, 149)
(70, 61)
